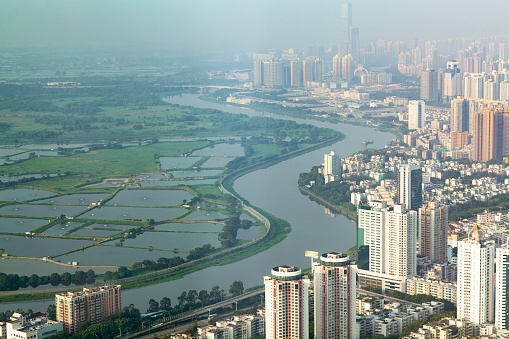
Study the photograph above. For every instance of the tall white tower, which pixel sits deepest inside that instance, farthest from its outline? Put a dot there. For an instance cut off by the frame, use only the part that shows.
(502, 292)
(286, 303)
(475, 300)
(331, 164)
(409, 191)
(416, 114)
(335, 298)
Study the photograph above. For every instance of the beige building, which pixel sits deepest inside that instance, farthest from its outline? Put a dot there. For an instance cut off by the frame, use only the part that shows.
(92, 304)
(437, 288)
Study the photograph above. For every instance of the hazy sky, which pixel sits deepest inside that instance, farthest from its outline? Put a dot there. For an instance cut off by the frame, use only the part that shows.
(250, 24)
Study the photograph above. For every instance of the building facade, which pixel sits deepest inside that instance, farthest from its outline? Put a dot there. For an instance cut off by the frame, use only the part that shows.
(416, 114)
(502, 291)
(433, 220)
(476, 279)
(335, 296)
(92, 304)
(286, 303)
(409, 190)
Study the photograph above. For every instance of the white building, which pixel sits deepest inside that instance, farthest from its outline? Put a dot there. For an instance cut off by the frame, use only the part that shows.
(331, 164)
(335, 296)
(416, 114)
(386, 254)
(409, 191)
(502, 293)
(34, 326)
(475, 279)
(287, 303)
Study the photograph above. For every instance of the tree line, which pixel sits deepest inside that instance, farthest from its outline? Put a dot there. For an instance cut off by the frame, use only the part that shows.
(13, 282)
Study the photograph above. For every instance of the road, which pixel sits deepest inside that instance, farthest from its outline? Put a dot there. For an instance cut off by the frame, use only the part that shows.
(169, 326)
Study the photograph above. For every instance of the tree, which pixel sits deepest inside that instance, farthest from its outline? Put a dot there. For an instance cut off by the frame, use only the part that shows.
(153, 306)
(165, 304)
(54, 279)
(66, 278)
(33, 281)
(90, 277)
(52, 312)
(191, 296)
(182, 298)
(236, 288)
(203, 296)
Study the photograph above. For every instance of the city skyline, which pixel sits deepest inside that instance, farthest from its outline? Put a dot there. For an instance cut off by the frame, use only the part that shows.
(201, 25)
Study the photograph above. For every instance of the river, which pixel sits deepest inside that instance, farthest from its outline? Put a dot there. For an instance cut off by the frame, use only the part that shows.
(275, 190)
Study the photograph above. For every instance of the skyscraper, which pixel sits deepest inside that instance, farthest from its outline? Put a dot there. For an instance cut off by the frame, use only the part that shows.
(286, 303)
(459, 115)
(345, 22)
(318, 70)
(307, 71)
(335, 299)
(296, 73)
(453, 84)
(429, 85)
(416, 114)
(487, 135)
(336, 65)
(386, 245)
(502, 291)
(475, 300)
(273, 73)
(92, 305)
(474, 86)
(353, 43)
(331, 164)
(409, 191)
(433, 220)
(347, 67)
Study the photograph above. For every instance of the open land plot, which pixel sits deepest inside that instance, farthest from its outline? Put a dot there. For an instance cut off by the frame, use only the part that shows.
(141, 213)
(48, 211)
(20, 225)
(146, 197)
(38, 247)
(171, 240)
(114, 255)
(23, 194)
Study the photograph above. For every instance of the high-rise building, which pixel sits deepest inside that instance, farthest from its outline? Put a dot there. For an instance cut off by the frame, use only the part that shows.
(459, 115)
(257, 73)
(331, 164)
(487, 135)
(504, 90)
(92, 305)
(286, 303)
(475, 300)
(502, 289)
(273, 73)
(347, 67)
(345, 22)
(296, 73)
(429, 85)
(453, 82)
(307, 71)
(318, 70)
(353, 44)
(401, 242)
(386, 245)
(474, 86)
(433, 220)
(409, 191)
(335, 296)
(416, 114)
(336, 65)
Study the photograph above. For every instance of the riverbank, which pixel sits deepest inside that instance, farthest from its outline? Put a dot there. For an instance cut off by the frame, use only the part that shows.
(337, 208)
(362, 123)
(275, 231)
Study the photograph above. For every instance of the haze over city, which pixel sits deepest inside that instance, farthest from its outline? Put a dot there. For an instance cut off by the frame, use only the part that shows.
(233, 24)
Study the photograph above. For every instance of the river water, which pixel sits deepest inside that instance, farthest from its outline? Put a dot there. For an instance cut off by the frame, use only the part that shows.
(275, 190)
